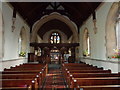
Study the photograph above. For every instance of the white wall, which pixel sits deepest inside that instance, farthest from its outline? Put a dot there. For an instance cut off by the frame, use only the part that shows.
(98, 48)
(1, 36)
(1, 31)
(98, 40)
(10, 43)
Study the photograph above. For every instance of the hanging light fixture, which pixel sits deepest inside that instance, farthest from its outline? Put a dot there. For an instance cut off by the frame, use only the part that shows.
(94, 22)
(13, 20)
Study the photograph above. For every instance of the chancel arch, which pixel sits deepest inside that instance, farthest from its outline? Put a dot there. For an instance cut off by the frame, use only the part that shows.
(57, 16)
(111, 32)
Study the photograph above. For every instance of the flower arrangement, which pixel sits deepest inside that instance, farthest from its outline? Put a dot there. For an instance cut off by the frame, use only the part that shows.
(85, 53)
(116, 54)
(22, 54)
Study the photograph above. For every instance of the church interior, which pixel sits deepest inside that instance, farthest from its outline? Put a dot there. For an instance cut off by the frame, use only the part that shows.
(60, 45)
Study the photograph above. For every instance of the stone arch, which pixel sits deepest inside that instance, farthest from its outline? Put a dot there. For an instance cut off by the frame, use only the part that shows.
(57, 16)
(111, 40)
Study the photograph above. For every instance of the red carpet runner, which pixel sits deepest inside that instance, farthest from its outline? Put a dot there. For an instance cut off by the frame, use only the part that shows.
(54, 80)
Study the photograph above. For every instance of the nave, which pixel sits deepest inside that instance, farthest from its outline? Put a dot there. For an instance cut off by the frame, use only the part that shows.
(81, 37)
(35, 76)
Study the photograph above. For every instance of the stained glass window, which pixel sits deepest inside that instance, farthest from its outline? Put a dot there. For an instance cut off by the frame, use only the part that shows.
(55, 38)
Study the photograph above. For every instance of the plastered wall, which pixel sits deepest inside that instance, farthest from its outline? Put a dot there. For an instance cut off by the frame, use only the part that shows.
(98, 55)
(10, 38)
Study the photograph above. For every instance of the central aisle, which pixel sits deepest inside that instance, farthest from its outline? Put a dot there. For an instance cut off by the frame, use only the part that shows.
(54, 78)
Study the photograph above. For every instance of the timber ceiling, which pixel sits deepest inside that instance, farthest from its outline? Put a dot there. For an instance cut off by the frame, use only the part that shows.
(78, 12)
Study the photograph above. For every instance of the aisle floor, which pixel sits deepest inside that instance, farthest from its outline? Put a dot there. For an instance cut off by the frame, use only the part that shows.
(54, 79)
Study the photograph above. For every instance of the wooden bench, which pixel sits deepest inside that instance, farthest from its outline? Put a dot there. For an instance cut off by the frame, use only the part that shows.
(80, 68)
(74, 64)
(95, 81)
(25, 83)
(30, 68)
(37, 73)
(90, 75)
(15, 88)
(23, 76)
(25, 71)
(35, 66)
(100, 87)
(89, 71)
(68, 72)
(84, 77)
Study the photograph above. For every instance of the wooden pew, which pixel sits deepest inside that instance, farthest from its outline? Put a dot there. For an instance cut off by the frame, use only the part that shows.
(37, 74)
(83, 68)
(30, 68)
(81, 75)
(100, 87)
(89, 71)
(32, 65)
(23, 76)
(38, 70)
(90, 75)
(40, 67)
(27, 83)
(74, 64)
(18, 76)
(85, 75)
(68, 72)
(15, 88)
(79, 67)
(95, 81)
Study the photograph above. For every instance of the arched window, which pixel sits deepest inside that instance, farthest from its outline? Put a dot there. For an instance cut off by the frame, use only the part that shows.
(118, 34)
(22, 43)
(86, 43)
(55, 38)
